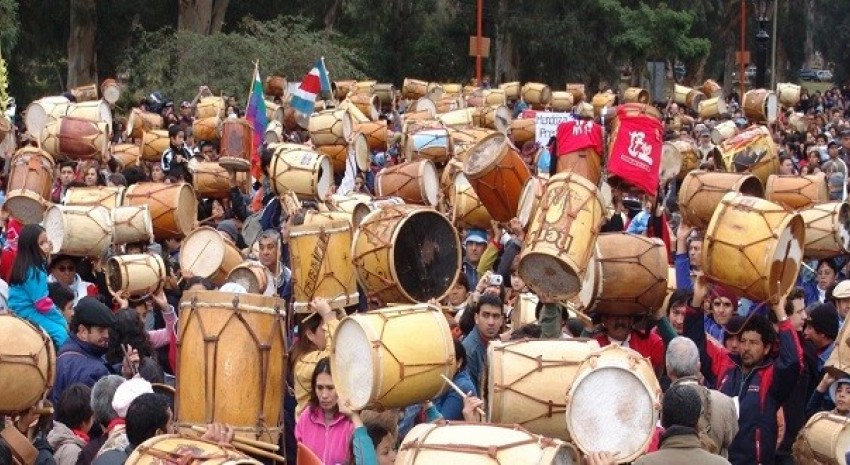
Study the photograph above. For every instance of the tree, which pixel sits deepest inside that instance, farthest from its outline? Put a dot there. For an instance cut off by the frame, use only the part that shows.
(203, 17)
(82, 58)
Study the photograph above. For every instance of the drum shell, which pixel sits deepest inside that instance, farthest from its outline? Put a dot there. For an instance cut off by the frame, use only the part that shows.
(561, 101)
(27, 364)
(379, 244)
(376, 134)
(105, 196)
(712, 108)
(338, 156)
(824, 440)
(132, 224)
(712, 89)
(96, 111)
(633, 278)
(135, 275)
(187, 449)
(414, 181)
(496, 117)
(224, 339)
(207, 254)
(788, 94)
(465, 139)
(688, 154)
(561, 236)
(723, 131)
(140, 122)
(30, 184)
(797, 192)
(458, 119)
(763, 264)
(413, 89)
(363, 88)
(208, 129)
(586, 163)
(405, 370)
(211, 180)
(342, 88)
(173, 207)
(701, 192)
(368, 104)
(236, 139)
(127, 155)
(467, 209)
(84, 231)
(208, 107)
(354, 205)
(154, 143)
(75, 138)
(578, 92)
(43, 111)
(320, 256)
(636, 95)
(110, 90)
(603, 100)
(838, 362)
(827, 230)
(429, 144)
(453, 90)
(251, 275)
(330, 127)
(526, 382)
(274, 133)
(298, 169)
(523, 130)
(85, 93)
(529, 200)
(497, 173)
(386, 94)
(737, 153)
(512, 89)
(536, 94)
(494, 97)
(760, 106)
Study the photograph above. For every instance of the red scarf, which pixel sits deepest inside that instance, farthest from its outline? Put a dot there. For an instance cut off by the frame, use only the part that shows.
(81, 434)
(116, 422)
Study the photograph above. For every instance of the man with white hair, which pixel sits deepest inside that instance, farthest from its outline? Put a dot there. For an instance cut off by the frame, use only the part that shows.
(718, 423)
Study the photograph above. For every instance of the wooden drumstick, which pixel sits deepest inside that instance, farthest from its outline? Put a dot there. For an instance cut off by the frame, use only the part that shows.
(462, 394)
(246, 441)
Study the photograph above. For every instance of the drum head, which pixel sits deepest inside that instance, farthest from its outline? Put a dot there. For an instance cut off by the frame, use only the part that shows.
(202, 252)
(787, 256)
(592, 279)
(325, 177)
(481, 156)
(771, 107)
(247, 278)
(353, 363)
(430, 182)
(114, 279)
(426, 255)
(362, 154)
(54, 226)
(502, 119)
(526, 200)
(612, 410)
(671, 161)
(27, 207)
(425, 104)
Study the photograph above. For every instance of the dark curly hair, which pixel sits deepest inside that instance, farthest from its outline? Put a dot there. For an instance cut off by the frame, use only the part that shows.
(128, 329)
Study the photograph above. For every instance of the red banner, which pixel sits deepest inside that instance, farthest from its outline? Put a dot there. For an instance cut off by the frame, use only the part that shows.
(635, 154)
(579, 135)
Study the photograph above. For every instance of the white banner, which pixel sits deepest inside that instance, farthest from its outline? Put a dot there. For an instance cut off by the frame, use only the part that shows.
(546, 125)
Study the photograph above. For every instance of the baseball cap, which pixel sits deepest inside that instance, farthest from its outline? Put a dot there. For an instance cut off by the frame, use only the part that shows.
(841, 290)
(475, 235)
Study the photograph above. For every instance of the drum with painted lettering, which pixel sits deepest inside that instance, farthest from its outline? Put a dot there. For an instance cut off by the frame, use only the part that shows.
(321, 265)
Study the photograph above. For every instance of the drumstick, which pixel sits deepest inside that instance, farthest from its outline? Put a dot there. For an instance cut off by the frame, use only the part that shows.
(258, 452)
(248, 442)
(462, 394)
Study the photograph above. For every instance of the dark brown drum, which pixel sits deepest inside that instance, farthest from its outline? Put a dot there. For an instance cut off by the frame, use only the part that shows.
(236, 144)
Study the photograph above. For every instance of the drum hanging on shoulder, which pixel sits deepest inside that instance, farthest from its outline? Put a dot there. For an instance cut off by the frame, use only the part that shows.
(299, 169)
(497, 172)
(206, 253)
(578, 92)
(797, 192)
(752, 151)
(132, 224)
(603, 101)
(187, 450)
(378, 365)
(320, 256)
(173, 207)
(633, 277)
(79, 231)
(712, 89)
(223, 340)
(684, 151)
(28, 190)
(712, 108)
(526, 382)
(701, 192)
(824, 440)
(405, 253)
(236, 141)
(251, 275)
(414, 181)
(560, 240)
(27, 364)
(761, 106)
(75, 138)
(140, 122)
(827, 230)
(135, 275)
(154, 143)
(763, 263)
(613, 402)
(105, 196)
(467, 209)
(482, 444)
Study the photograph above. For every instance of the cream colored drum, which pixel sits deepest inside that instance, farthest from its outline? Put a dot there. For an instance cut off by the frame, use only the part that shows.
(827, 230)
(529, 200)
(320, 256)
(612, 403)
(251, 275)
(330, 127)
(187, 450)
(458, 119)
(132, 224)
(788, 94)
(496, 117)
(45, 110)
(206, 253)
(106, 196)
(430, 144)
(134, 275)
(824, 440)
(79, 231)
(298, 169)
(467, 209)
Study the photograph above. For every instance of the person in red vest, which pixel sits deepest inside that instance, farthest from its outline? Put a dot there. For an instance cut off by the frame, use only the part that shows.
(620, 329)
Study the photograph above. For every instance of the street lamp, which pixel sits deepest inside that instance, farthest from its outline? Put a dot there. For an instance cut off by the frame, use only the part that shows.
(763, 11)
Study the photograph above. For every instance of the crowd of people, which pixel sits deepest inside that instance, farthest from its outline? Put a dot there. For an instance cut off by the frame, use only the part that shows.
(740, 378)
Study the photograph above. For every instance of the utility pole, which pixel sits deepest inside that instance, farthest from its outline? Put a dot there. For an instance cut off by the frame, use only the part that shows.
(479, 13)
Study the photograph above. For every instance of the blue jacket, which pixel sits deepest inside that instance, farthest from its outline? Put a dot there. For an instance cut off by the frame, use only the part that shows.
(810, 292)
(682, 264)
(78, 362)
(27, 297)
(760, 394)
(471, 272)
(450, 404)
(476, 356)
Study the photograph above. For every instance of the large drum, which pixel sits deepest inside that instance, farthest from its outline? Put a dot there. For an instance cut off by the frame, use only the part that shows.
(96, 111)
(752, 151)
(75, 138)
(376, 134)
(526, 382)
(577, 90)
(536, 94)
(636, 95)
(127, 155)
(496, 117)
(761, 264)
(723, 131)
(413, 89)
(761, 106)
(208, 129)
(132, 224)
(712, 108)
(30, 184)
(465, 139)
(613, 402)
(110, 90)
(603, 101)
(368, 104)
(430, 144)
(482, 444)
(467, 209)
(494, 97)
(414, 181)
(296, 168)
(824, 440)
(105, 196)
(586, 162)
(236, 144)
(135, 275)
(405, 253)
(154, 143)
(79, 231)
(686, 152)
(251, 275)
(27, 364)
(497, 173)
(43, 111)
(211, 106)
(512, 89)
(330, 127)
(838, 362)
(797, 192)
(211, 180)
(633, 275)
(561, 237)
(224, 340)
(206, 253)
(523, 130)
(701, 191)
(174, 208)
(788, 94)
(378, 363)
(187, 450)
(85, 93)
(827, 230)
(561, 101)
(457, 119)
(529, 200)
(321, 265)
(140, 122)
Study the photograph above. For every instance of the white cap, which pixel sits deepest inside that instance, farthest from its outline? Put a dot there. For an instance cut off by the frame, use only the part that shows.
(127, 393)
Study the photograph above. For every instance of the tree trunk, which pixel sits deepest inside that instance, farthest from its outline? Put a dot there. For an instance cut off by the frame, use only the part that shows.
(82, 57)
(809, 49)
(506, 59)
(729, 68)
(203, 17)
(332, 14)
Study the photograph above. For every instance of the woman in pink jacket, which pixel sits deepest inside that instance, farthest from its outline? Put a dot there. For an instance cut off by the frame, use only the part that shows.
(321, 427)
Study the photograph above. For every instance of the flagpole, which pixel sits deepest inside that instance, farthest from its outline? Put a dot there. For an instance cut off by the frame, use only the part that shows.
(251, 86)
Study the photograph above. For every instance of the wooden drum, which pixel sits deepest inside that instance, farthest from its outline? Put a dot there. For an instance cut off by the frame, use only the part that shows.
(355, 205)
(430, 144)
(497, 173)
(613, 402)
(208, 129)
(752, 151)
(495, 117)
(299, 169)
(140, 122)
(251, 275)
(414, 181)
(536, 94)
(43, 111)
(560, 240)
(761, 264)
(377, 363)
(127, 155)
(827, 230)
(321, 265)
(210, 180)
(211, 106)
(405, 253)
(824, 440)
(206, 253)
(375, 132)
(523, 130)
(761, 106)
(223, 341)
(467, 209)
(75, 138)
(701, 191)
(529, 200)
(30, 184)
(465, 139)
(797, 192)
(186, 450)
(236, 144)
(135, 275)
(132, 224)
(174, 208)
(526, 382)
(27, 364)
(79, 231)
(105, 196)
(330, 127)
(154, 143)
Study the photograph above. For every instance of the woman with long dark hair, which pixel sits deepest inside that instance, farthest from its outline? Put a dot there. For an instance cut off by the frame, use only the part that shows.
(322, 428)
(29, 297)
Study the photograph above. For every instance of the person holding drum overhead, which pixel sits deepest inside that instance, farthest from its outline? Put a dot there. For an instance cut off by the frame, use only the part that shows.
(688, 257)
(314, 343)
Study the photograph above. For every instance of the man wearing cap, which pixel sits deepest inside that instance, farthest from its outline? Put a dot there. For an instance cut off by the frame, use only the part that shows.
(474, 244)
(705, 146)
(821, 330)
(80, 359)
(841, 297)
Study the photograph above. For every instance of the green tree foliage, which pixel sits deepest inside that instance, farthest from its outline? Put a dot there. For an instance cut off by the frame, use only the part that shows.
(9, 26)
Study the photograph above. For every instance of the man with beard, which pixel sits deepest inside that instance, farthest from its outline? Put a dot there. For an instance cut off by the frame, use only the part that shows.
(619, 329)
